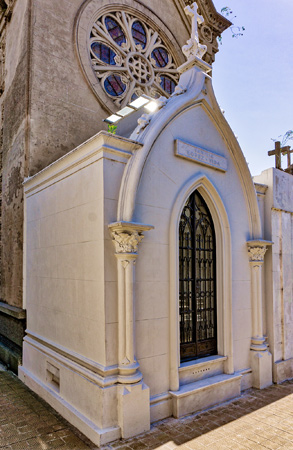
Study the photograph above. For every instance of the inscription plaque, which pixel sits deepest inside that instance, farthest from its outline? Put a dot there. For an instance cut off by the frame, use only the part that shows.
(200, 155)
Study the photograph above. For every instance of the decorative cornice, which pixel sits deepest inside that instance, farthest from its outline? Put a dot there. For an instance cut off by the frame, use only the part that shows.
(13, 311)
(127, 235)
(211, 15)
(213, 26)
(117, 146)
(257, 250)
(260, 188)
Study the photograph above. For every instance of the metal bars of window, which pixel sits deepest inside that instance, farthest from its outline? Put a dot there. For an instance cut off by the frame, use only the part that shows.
(197, 280)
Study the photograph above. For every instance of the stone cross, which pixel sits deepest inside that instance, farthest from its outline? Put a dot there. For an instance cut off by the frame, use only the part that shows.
(195, 19)
(278, 151)
(193, 49)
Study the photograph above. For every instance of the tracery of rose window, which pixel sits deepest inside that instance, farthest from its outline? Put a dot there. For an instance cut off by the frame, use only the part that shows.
(130, 58)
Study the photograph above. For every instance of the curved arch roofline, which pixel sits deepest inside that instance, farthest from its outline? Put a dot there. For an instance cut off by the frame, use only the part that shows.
(197, 94)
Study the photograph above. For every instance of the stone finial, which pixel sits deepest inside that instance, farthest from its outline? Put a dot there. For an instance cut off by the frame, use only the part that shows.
(193, 48)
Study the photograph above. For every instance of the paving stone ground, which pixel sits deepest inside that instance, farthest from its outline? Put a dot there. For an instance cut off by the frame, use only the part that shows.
(258, 420)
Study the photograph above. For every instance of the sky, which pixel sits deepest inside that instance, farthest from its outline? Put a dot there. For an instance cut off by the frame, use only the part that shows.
(253, 77)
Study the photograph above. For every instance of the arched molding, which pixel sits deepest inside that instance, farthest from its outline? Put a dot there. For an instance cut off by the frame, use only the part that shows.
(194, 96)
(223, 273)
(86, 17)
(240, 164)
(148, 138)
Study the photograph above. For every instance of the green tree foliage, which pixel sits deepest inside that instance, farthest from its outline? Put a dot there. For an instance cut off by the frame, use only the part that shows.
(284, 138)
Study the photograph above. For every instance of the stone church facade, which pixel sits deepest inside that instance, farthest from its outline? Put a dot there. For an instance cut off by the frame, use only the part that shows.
(143, 274)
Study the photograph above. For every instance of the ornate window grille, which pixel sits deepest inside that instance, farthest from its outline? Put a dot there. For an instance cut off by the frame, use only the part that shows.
(129, 58)
(197, 280)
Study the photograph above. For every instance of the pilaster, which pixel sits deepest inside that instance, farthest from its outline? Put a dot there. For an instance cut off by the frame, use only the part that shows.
(261, 358)
(133, 394)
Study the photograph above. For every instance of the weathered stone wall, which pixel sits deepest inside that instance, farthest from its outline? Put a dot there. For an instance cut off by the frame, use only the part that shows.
(64, 110)
(48, 107)
(14, 106)
(278, 220)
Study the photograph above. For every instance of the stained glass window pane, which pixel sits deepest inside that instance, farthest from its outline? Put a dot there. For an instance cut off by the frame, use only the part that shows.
(146, 66)
(114, 85)
(103, 52)
(167, 84)
(197, 280)
(160, 56)
(139, 34)
(115, 31)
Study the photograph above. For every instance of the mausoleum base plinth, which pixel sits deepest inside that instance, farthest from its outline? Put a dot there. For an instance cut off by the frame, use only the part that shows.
(283, 370)
(261, 365)
(133, 409)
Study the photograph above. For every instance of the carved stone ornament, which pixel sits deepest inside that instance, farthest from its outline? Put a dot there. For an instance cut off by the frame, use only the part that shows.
(207, 33)
(213, 27)
(127, 235)
(215, 20)
(143, 122)
(257, 250)
(256, 253)
(126, 242)
(179, 90)
(193, 48)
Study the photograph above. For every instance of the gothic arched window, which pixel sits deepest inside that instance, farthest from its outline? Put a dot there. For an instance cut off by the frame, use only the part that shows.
(130, 58)
(197, 280)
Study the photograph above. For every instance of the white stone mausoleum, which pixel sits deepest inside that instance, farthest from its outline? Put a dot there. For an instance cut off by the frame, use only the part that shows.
(157, 273)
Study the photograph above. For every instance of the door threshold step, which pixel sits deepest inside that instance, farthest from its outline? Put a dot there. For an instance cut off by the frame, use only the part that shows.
(205, 393)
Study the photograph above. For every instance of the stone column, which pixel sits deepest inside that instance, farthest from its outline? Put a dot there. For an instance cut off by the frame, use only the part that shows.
(261, 358)
(133, 394)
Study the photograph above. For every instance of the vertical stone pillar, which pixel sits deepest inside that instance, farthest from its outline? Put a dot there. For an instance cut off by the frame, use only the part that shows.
(260, 357)
(133, 394)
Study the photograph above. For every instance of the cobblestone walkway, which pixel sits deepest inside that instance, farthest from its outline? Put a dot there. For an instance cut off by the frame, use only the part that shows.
(258, 420)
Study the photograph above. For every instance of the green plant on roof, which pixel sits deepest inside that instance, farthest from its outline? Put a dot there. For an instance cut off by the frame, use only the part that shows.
(284, 138)
(112, 128)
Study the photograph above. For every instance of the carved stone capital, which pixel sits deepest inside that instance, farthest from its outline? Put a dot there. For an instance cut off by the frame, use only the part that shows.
(257, 250)
(126, 242)
(127, 235)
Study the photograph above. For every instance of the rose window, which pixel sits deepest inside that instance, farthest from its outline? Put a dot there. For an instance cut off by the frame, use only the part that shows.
(130, 58)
